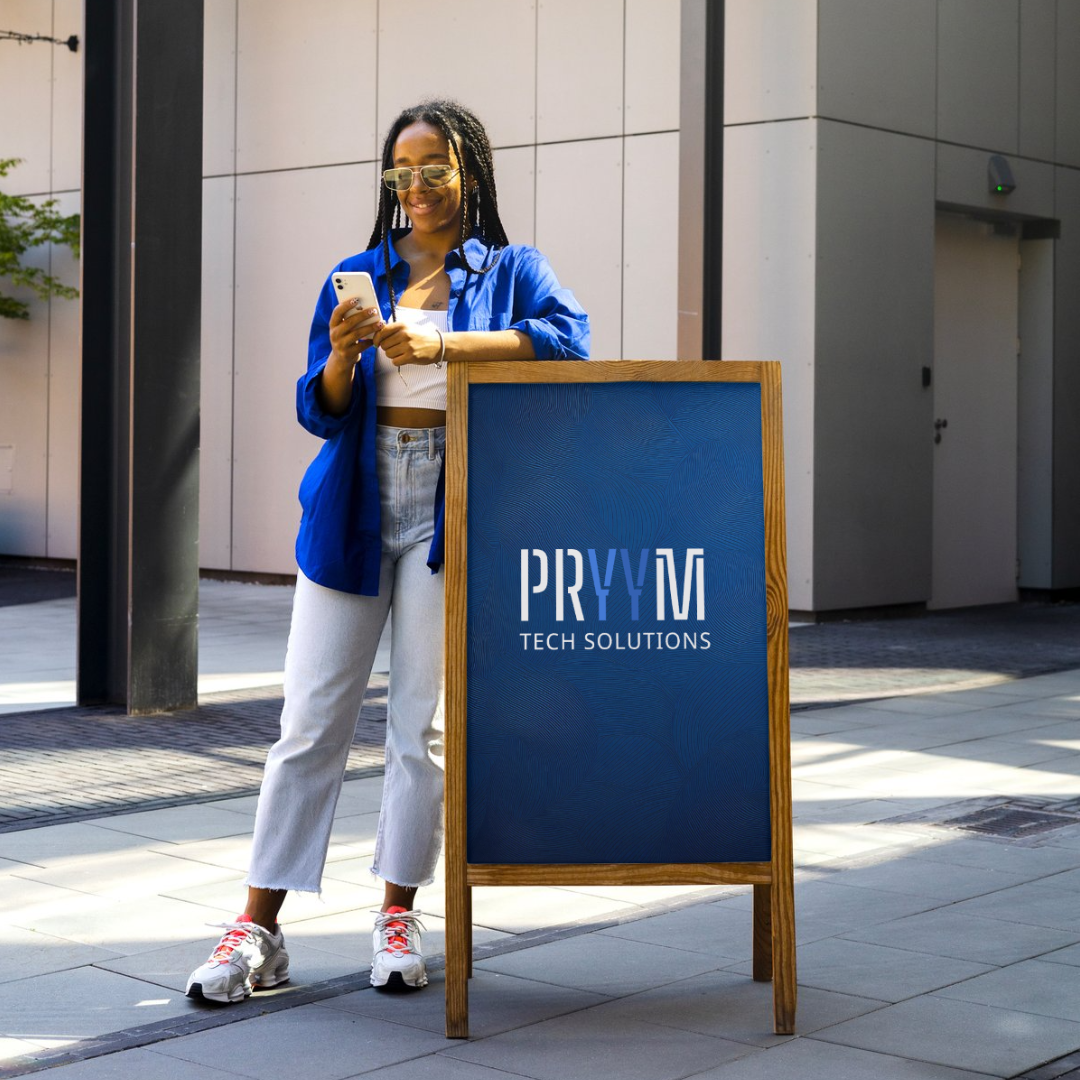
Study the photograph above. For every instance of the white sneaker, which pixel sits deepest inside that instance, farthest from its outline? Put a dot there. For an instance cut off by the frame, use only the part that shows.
(398, 962)
(247, 955)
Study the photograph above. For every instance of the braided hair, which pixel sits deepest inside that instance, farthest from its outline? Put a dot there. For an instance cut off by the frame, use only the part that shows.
(467, 139)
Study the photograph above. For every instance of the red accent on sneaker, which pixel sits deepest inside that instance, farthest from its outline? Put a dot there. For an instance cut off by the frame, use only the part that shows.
(228, 944)
(397, 931)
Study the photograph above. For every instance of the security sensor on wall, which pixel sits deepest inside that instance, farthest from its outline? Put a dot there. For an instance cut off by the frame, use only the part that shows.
(1001, 177)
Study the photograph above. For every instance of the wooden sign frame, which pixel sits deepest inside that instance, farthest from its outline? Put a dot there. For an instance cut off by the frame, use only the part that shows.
(773, 880)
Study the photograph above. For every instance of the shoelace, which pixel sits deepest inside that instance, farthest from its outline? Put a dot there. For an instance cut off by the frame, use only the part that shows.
(396, 926)
(239, 932)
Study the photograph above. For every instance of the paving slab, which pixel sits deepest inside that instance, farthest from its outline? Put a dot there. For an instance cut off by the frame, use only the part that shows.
(915, 876)
(497, 1003)
(230, 894)
(139, 1064)
(876, 971)
(514, 910)
(127, 875)
(64, 1007)
(442, 1067)
(602, 965)
(1009, 856)
(828, 909)
(611, 1048)
(1069, 881)
(1001, 1042)
(1069, 955)
(1000, 751)
(52, 844)
(27, 953)
(1031, 986)
(730, 1005)
(808, 1058)
(948, 933)
(131, 926)
(1031, 903)
(712, 929)
(307, 1041)
(26, 902)
(180, 824)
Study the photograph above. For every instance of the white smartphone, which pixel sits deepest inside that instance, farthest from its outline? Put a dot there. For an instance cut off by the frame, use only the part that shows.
(356, 284)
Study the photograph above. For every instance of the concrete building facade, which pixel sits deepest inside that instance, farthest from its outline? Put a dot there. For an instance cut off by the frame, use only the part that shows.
(931, 459)
(930, 342)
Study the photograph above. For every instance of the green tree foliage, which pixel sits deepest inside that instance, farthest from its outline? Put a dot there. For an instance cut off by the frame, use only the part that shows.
(25, 224)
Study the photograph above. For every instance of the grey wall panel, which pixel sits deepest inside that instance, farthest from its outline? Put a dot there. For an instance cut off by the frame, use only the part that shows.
(282, 260)
(1067, 384)
(978, 73)
(306, 87)
(1067, 149)
(515, 179)
(1035, 416)
(770, 60)
(481, 53)
(24, 424)
(874, 334)
(582, 234)
(579, 69)
(650, 249)
(652, 66)
(963, 180)
(219, 87)
(877, 63)
(67, 82)
(770, 186)
(1037, 77)
(64, 362)
(25, 76)
(216, 382)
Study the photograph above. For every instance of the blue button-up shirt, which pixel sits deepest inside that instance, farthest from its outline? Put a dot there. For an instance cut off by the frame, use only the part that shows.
(339, 544)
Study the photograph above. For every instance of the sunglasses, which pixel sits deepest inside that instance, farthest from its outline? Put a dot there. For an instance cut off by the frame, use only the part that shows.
(432, 175)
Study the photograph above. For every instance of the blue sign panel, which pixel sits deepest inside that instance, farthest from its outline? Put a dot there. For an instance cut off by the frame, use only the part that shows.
(617, 670)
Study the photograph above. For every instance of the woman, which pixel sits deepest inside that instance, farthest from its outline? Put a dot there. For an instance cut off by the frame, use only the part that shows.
(450, 287)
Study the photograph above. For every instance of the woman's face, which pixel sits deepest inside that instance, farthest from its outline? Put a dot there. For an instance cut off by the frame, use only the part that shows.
(433, 211)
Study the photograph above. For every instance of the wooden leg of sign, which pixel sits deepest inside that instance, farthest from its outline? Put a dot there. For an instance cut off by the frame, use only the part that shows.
(763, 950)
(784, 984)
(458, 958)
(468, 926)
(458, 891)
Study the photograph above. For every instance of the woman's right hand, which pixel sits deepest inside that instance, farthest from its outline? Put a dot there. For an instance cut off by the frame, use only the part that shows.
(349, 336)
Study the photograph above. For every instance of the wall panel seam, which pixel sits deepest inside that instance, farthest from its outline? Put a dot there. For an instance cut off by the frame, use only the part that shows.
(375, 161)
(927, 138)
(232, 291)
(622, 201)
(49, 302)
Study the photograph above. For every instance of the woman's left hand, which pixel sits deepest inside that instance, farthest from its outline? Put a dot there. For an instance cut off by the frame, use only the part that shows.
(408, 344)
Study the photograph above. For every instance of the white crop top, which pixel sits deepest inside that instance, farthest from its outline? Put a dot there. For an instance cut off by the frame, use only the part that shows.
(415, 386)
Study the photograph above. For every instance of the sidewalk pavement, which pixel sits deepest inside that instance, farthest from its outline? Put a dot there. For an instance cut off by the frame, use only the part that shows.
(926, 950)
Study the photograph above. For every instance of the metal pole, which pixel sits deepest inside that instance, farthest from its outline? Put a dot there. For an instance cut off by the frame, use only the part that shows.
(701, 179)
(141, 285)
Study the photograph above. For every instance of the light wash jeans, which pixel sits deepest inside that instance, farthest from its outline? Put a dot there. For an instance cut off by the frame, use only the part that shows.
(332, 644)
